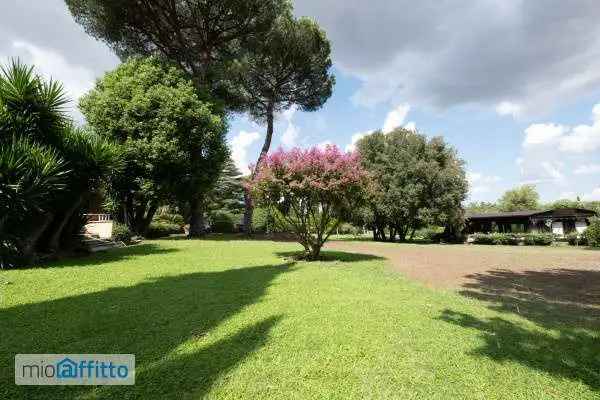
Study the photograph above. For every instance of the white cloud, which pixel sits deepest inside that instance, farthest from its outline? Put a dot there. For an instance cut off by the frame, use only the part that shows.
(587, 169)
(508, 108)
(530, 54)
(239, 149)
(355, 138)
(396, 117)
(594, 195)
(411, 126)
(76, 79)
(480, 183)
(567, 195)
(543, 134)
(291, 133)
(553, 170)
(578, 139)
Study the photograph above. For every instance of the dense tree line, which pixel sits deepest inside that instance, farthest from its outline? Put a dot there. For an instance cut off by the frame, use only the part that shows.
(525, 198)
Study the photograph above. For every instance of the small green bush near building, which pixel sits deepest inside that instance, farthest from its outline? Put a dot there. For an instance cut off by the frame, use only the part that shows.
(538, 239)
(162, 229)
(506, 239)
(224, 222)
(170, 218)
(592, 233)
(576, 239)
(121, 233)
(513, 239)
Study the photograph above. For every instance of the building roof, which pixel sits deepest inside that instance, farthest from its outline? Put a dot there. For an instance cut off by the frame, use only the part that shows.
(511, 214)
(557, 212)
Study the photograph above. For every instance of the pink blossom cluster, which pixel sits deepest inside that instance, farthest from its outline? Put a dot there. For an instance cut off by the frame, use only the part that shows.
(325, 170)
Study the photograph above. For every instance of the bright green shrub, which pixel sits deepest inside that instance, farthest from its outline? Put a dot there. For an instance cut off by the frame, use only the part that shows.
(162, 229)
(121, 233)
(592, 233)
(538, 239)
(262, 221)
(224, 222)
(170, 218)
(576, 239)
(430, 234)
(349, 229)
(506, 239)
(482, 238)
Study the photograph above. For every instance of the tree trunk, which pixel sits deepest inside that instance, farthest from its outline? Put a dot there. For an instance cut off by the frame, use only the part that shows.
(54, 241)
(148, 218)
(29, 244)
(196, 218)
(248, 206)
(127, 210)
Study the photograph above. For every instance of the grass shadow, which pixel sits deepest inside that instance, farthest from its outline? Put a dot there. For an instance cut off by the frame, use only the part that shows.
(101, 257)
(572, 354)
(150, 320)
(330, 255)
(564, 305)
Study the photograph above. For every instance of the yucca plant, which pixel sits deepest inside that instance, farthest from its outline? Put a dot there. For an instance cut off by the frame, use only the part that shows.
(47, 165)
(30, 178)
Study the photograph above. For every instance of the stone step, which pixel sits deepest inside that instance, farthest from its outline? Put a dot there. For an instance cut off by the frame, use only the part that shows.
(94, 244)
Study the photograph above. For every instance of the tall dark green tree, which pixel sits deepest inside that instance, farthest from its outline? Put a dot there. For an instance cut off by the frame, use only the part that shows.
(173, 142)
(228, 192)
(202, 37)
(289, 67)
(416, 182)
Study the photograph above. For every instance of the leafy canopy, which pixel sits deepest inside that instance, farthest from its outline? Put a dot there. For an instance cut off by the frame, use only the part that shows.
(521, 198)
(173, 141)
(288, 67)
(416, 182)
(310, 191)
(202, 37)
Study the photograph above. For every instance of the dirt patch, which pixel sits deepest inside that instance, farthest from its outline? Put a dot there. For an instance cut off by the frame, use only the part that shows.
(456, 266)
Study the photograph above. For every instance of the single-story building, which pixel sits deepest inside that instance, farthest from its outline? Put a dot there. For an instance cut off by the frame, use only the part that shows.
(560, 221)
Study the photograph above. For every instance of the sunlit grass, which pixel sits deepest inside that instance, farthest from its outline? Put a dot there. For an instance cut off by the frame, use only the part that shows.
(232, 319)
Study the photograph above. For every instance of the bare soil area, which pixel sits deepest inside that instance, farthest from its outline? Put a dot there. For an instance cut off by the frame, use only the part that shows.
(454, 266)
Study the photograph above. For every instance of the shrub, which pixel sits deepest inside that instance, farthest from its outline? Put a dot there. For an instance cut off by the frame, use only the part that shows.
(262, 221)
(538, 239)
(592, 233)
(349, 229)
(430, 234)
(507, 239)
(121, 233)
(310, 190)
(482, 238)
(170, 218)
(576, 239)
(224, 222)
(162, 229)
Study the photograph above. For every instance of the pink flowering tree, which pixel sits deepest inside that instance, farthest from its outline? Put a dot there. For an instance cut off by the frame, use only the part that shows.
(310, 191)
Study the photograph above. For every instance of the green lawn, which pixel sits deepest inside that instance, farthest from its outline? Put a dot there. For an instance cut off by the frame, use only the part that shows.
(234, 319)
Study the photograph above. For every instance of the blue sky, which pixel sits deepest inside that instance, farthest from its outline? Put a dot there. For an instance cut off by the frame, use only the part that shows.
(511, 84)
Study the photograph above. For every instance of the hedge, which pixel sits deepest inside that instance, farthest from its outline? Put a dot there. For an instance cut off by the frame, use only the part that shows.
(121, 233)
(162, 229)
(513, 239)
